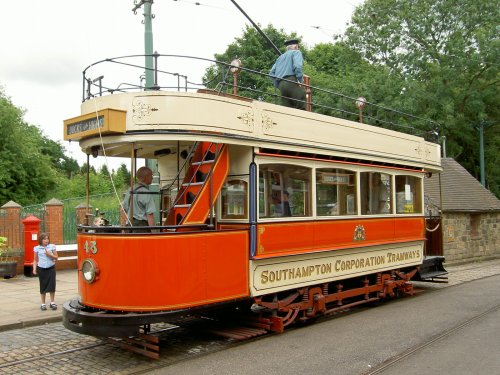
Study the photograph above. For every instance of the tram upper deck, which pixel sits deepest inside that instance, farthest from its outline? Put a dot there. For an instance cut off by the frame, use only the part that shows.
(156, 120)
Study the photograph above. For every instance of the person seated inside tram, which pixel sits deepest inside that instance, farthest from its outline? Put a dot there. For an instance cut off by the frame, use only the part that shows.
(379, 196)
(281, 205)
(286, 204)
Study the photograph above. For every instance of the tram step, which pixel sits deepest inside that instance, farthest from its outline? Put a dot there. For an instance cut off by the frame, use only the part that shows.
(202, 162)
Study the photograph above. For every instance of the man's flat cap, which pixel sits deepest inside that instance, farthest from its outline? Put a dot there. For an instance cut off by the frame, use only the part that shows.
(291, 41)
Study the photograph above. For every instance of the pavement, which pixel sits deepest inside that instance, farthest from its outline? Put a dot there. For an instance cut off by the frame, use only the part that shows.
(20, 300)
(20, 297)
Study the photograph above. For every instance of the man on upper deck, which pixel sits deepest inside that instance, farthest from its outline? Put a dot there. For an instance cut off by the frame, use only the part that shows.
(288, 67)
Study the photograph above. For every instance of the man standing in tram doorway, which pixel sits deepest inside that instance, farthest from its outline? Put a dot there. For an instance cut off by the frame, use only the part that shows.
(144, 205)
(288, 77)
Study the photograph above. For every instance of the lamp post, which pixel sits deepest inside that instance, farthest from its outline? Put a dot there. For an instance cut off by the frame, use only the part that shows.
(235, 70)
(360, 103)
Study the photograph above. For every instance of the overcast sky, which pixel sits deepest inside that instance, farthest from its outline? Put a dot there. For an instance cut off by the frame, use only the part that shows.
(46, 44)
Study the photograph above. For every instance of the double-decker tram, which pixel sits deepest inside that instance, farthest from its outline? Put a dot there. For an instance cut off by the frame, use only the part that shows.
(285, 213)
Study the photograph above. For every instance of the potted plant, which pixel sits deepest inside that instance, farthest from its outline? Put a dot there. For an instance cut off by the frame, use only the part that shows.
(8, 259)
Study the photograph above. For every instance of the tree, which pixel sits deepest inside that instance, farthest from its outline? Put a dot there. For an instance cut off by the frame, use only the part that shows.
(346, 76)
(122, 176)
(56, 153)
(447, 53)
(26, 172)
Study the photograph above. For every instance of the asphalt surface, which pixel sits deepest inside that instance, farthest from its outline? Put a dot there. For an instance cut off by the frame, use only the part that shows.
(453, 330)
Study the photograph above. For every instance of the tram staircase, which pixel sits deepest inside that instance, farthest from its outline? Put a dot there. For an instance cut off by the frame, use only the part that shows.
(203, 180)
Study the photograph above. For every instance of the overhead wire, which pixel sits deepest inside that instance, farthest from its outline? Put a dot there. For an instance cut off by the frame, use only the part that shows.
(122, 209)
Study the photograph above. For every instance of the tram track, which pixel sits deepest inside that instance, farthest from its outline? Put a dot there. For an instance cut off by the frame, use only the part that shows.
(417, 348)
(191, 338)
(178, 343)
(49, 355)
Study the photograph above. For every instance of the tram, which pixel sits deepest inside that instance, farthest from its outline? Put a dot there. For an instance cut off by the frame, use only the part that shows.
(284, 213)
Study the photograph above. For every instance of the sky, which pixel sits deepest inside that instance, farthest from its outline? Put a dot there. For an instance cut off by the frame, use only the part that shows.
(46, 44)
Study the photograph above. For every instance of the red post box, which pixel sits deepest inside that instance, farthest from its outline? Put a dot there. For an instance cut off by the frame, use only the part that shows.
(31, 230)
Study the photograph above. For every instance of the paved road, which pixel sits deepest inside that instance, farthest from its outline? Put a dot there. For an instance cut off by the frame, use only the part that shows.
(349, 344)
(459, 325)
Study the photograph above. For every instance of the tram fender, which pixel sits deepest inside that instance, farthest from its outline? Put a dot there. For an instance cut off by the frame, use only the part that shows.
(432, 270)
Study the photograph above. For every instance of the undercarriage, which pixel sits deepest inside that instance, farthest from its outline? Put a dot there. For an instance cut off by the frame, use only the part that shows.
(279, 310)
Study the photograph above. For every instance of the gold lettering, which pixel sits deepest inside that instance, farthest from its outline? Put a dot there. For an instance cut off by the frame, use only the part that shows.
(263, 277)
(298, 274)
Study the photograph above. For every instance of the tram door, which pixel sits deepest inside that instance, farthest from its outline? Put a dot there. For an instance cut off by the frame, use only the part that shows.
(433, 236)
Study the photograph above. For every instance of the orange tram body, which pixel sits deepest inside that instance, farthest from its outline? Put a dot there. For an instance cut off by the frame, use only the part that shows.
(288, 214)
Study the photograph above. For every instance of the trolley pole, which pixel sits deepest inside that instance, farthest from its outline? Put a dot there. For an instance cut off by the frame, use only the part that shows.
(149, 83)
(148, 40)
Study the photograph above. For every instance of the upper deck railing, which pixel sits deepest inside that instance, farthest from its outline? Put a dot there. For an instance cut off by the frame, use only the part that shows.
(104, 77)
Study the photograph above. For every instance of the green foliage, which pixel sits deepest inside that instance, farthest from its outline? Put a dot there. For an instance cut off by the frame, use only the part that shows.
(122, 176)
(447, 52)
(99, 182)
(34, 169)
(55, 151)
(8, 254)
(344, 71)
(26, 172)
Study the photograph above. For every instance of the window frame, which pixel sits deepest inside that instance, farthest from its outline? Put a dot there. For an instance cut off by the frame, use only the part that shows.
(308, 201)
(239, 218)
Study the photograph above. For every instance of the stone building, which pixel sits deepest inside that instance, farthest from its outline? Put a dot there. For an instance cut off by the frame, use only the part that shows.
(470, 214)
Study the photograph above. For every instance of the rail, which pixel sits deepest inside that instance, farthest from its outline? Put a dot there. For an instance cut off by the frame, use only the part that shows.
(220, 77)
(121, 230)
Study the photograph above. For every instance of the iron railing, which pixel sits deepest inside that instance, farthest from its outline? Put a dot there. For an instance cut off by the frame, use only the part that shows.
(250, 83)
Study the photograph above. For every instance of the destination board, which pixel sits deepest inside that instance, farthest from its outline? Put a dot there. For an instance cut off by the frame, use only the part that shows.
(105, 121)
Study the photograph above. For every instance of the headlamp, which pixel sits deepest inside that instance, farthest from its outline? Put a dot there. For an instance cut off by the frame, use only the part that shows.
(89, 270)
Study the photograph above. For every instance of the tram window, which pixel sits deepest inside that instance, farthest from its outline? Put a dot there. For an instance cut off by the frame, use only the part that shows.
(284, 190)
(408, 195)
(376, 192)
(234, 200)
(335, 192)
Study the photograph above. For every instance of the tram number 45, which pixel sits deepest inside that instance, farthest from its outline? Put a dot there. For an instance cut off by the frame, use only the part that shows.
(90, 247)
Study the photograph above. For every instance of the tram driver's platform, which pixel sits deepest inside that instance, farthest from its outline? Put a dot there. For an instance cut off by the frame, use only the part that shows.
(20, 298)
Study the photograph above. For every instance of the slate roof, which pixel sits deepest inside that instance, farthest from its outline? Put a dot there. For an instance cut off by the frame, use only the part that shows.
(460, 191)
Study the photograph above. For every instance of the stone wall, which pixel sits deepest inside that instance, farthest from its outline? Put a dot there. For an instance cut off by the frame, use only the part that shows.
(471, 236)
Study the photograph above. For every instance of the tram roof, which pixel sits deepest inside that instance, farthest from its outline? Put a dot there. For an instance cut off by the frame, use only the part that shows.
(154, 120)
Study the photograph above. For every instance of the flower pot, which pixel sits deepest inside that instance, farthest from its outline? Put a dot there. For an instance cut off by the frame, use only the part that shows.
(8, 269)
